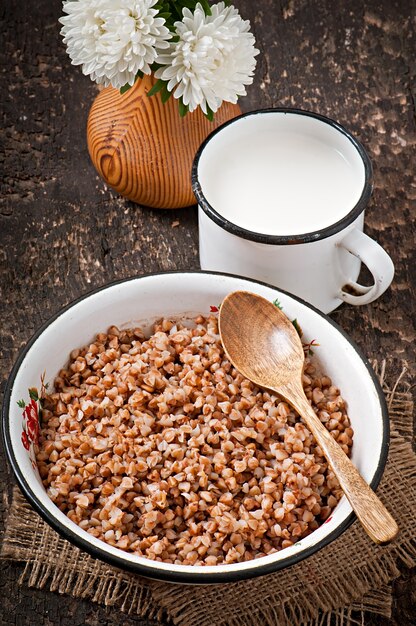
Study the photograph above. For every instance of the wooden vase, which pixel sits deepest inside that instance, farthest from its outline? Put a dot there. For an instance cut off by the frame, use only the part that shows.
(143, 149)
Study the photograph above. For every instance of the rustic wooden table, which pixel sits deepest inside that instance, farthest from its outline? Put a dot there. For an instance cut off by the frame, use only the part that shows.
(63, 232)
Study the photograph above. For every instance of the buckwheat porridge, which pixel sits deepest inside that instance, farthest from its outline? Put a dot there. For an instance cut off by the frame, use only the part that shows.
(158, 446)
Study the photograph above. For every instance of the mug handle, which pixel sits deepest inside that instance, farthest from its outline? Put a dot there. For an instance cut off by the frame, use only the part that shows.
(376, 259)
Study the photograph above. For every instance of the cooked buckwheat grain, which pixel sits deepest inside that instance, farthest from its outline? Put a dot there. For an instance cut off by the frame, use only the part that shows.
(158, 446)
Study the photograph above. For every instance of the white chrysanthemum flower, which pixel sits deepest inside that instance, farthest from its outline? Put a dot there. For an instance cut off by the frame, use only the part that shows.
(113, 39)
(213, 60)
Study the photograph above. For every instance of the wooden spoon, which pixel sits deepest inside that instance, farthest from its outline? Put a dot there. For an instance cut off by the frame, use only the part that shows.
(264, 346)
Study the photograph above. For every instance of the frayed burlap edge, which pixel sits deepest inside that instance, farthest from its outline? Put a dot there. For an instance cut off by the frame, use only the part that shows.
(342, 594)
(338, 575)
(53, 563)
(399, 399)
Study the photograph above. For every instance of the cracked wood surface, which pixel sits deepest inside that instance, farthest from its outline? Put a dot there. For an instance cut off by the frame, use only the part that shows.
(62, 232)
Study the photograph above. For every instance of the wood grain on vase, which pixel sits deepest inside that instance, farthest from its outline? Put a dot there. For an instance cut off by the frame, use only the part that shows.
(143, 149)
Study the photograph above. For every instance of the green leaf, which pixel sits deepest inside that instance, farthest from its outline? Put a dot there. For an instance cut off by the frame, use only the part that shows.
(277, 303)
(21, 403)
(189, 4)
(158, 86)
(178, 10)
(166, 94)
(33, 393)
(162, 7)
(297, 326)
(209, 114)
(183, 108)
(125, 88)
(206, 7)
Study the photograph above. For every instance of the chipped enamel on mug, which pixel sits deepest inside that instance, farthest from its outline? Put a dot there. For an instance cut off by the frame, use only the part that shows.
(282, 195)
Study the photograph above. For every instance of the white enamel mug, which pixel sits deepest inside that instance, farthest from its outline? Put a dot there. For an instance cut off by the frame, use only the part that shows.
(282, 195)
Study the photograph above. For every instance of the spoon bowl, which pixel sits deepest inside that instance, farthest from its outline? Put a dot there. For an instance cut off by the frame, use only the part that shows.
(265, 347)
(252, 338)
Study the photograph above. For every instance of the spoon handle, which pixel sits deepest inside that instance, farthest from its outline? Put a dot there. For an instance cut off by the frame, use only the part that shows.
(373, 515)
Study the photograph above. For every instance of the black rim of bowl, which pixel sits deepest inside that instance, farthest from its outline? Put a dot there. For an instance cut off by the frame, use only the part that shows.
(147, 570)
(285, 239)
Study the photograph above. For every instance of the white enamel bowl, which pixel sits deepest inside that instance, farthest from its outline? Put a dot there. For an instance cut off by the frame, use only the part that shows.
(140, 301)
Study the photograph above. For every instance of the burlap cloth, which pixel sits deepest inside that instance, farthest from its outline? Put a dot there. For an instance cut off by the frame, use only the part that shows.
(338, 585)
